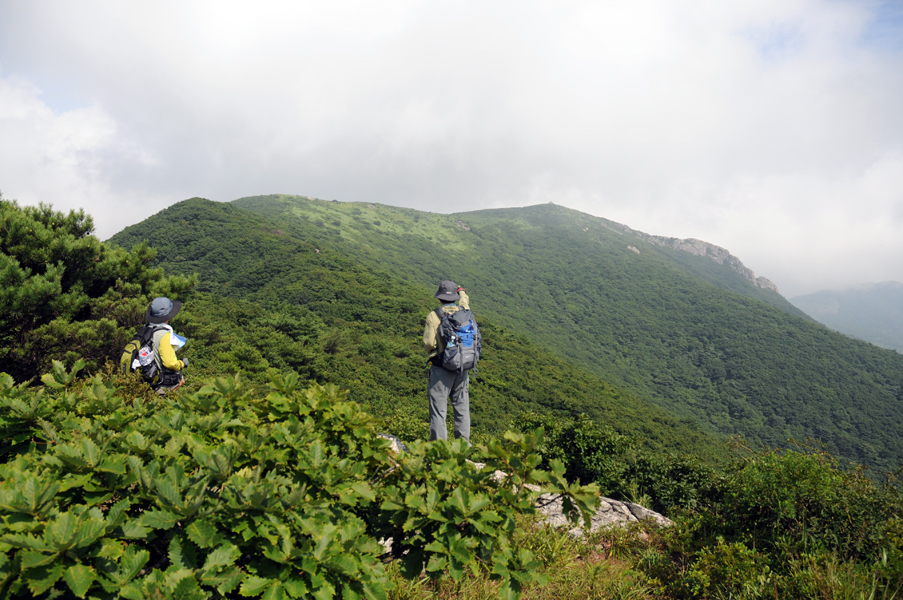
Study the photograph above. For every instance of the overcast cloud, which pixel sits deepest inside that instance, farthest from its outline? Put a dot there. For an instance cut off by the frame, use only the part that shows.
(773, 128)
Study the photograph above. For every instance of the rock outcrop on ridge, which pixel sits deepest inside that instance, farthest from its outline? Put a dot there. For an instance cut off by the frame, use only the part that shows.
(700, 248)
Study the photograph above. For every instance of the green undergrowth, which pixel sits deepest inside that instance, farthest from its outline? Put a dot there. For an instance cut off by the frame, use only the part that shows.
(109, 490)
(225, 493)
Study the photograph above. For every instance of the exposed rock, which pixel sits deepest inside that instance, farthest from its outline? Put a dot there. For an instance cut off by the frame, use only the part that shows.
(765, 283)
(611, 513)
(462, 225)
(701, 248)
(632, 249)
(396, 445)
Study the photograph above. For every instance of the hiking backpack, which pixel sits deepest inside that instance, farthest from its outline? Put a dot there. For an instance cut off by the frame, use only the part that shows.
(140, 354)
(463, 340)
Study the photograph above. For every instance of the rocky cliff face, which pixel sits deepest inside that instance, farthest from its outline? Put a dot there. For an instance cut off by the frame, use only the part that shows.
(700, 248)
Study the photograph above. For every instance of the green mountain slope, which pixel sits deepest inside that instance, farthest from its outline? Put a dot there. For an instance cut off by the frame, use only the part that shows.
(873, 313)
(270, 300)
(646, 317)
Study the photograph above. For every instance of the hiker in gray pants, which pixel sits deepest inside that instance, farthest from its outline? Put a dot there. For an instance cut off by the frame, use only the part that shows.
(444, 383)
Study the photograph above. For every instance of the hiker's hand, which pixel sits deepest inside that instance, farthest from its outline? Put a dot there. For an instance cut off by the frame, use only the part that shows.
(185, 362)
(460, 289)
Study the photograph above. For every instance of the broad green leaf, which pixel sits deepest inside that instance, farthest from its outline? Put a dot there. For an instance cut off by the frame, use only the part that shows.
(89, 531)
(254, 586)
(508, 591)
(113, 464)
(327, 535)
(456, 569)
(79, 579)
(91, 452)
(74, 482)
(134, 529)
(182, 553)
(60, 532)
(132, 563)
(168, 492)
(222, 556)
(316, 454)
(342, 563)
(229, 580)
(32, 559)
(437, 563)
(159, 519)
(202, 533)
(324, 591)
(295, 587)
(110, 549)
(50, 381)
(364, 490)
(137, 441)
(117, 514)
(187, 588)
(461, 552)
(274, 592)
(42, 579)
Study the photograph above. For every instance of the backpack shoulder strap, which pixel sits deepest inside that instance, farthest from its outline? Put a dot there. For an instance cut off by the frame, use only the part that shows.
(146, 333)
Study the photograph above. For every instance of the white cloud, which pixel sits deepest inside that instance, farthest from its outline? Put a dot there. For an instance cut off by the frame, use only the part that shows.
(734, 122)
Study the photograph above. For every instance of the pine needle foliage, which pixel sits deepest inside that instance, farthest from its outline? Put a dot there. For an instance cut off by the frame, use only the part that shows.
(65, 295)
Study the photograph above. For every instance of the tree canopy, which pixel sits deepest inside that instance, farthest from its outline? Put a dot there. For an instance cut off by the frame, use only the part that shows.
(64, 294)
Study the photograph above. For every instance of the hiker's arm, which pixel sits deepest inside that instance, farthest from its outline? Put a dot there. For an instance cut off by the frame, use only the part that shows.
(168, 355)
(431, 334)
(463, 301)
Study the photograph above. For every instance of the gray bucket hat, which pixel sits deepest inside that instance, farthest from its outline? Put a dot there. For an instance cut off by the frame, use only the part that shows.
(162, 310)
(448, 291)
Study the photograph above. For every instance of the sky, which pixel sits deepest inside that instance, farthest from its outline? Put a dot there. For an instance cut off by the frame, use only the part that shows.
(772, 128)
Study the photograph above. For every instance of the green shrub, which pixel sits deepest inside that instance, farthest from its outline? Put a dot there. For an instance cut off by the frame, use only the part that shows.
(616, 463)
(219, 492)
(794, 502)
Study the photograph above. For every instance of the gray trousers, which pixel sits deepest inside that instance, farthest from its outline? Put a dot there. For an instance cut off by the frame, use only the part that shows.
(445, 383)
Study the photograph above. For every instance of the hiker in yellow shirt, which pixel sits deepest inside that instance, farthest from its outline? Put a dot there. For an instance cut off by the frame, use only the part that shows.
(159, 314)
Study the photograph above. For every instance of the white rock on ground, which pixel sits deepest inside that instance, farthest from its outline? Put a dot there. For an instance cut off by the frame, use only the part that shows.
(610, 513)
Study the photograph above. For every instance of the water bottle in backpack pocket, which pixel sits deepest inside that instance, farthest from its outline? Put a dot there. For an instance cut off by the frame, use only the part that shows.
(147, 363)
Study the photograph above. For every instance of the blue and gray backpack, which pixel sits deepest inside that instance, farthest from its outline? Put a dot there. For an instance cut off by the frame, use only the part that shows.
(462, 338)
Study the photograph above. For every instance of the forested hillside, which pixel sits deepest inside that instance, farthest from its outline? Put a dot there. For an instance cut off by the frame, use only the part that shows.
(271, 302)
(663, 324)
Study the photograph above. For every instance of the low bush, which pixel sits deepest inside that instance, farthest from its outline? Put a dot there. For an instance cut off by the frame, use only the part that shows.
(780, 524)
(221, 492)
(593, 453)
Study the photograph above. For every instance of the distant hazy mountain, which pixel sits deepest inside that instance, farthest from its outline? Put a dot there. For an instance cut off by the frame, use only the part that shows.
(873, 313)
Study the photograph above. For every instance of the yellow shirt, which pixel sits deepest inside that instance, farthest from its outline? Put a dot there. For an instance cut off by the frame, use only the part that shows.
(432, 343)
(165, 351)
